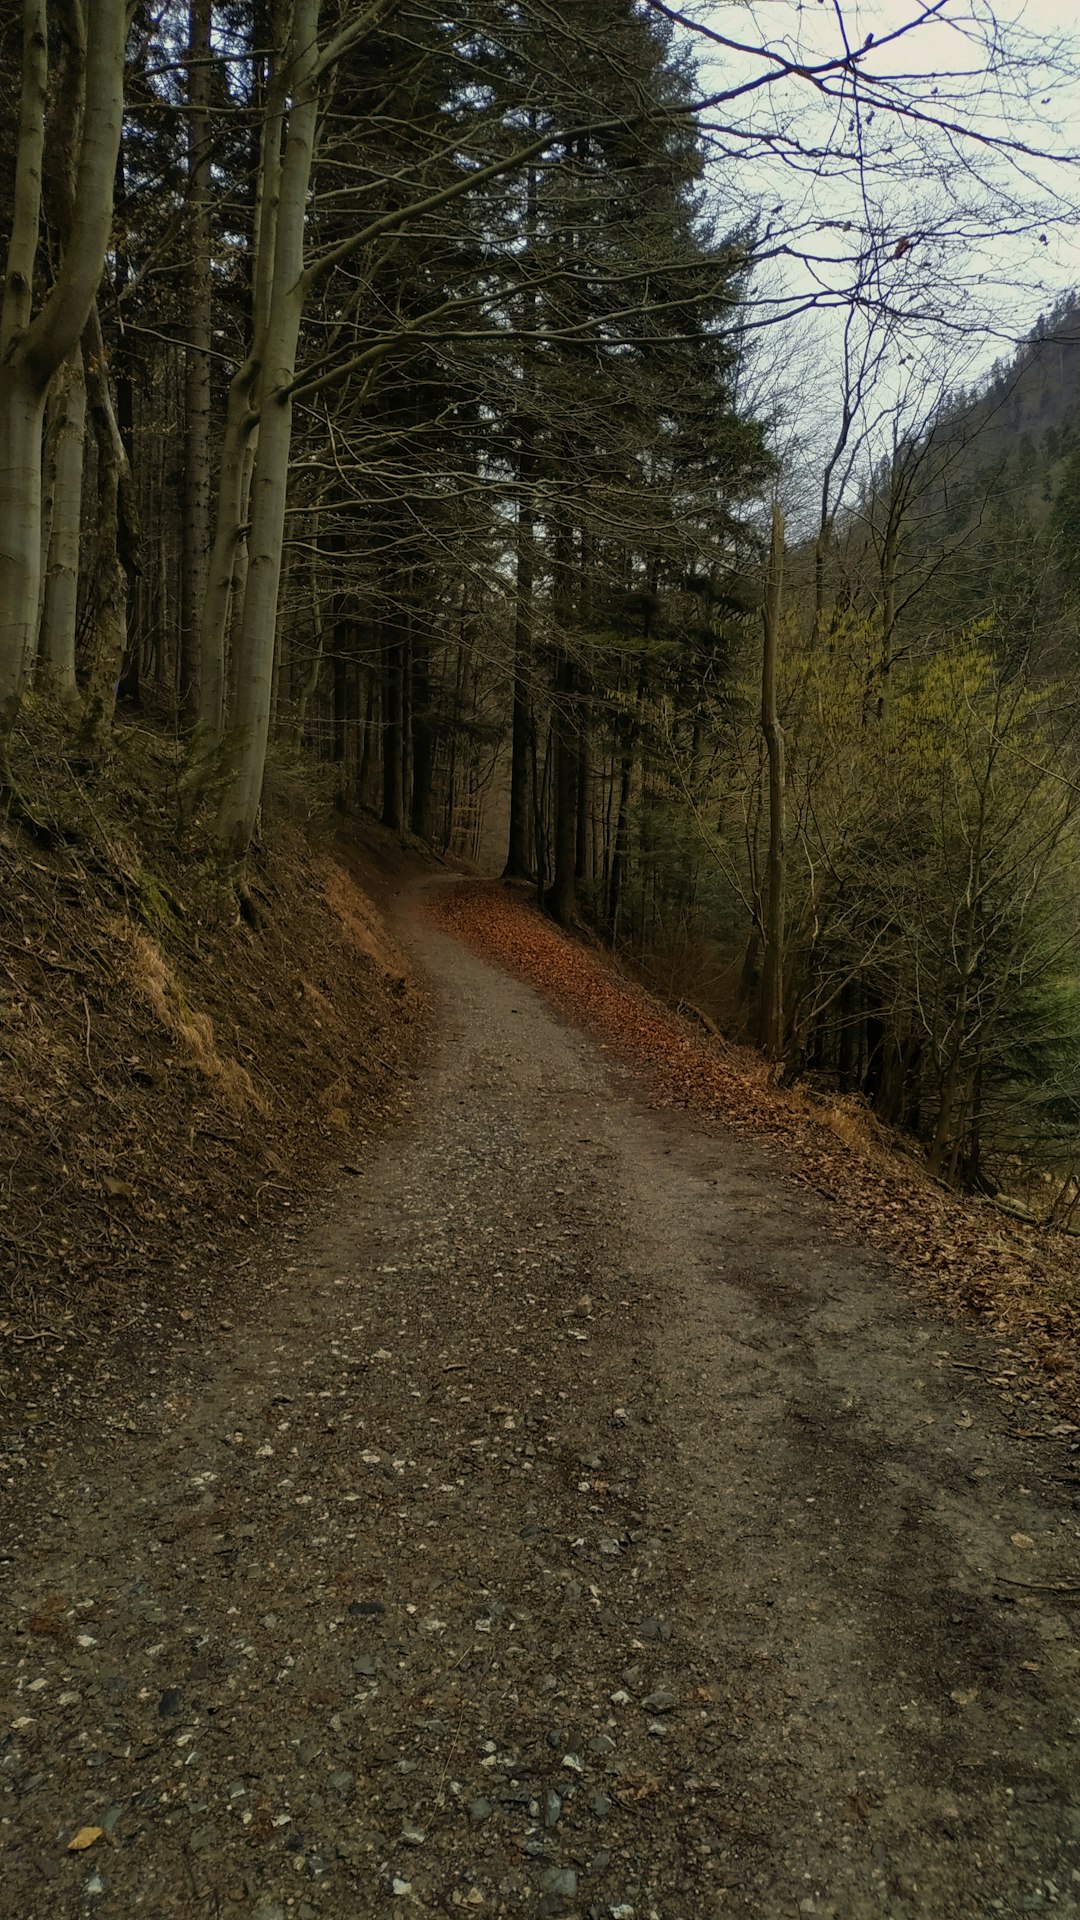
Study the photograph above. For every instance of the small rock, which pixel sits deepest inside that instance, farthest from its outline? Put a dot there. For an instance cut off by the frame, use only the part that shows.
(661, 1700)
(170, 1703)
(552, 1809)
(655, 1629)
(601, 1743)
(401, 1887)
(202, 1838)
(341, 1780)
(479, 1811)
(600, 1805)
(269, 1909)
(413, 1836)
(96, 1884)
(611, 1546)
(572, 1761)
(560, 1880)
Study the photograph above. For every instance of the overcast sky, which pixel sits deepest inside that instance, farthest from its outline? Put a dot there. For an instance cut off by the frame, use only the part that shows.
(960, 241)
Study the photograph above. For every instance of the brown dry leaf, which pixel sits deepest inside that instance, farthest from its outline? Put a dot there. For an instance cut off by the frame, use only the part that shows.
(1023, 1540)
(84, 1838)
(632, 1792)
(965, 1419)
(1017, 1279)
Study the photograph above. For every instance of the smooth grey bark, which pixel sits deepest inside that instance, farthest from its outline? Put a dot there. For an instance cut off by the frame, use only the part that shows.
(64, 444)
(195, 559)
(226, 577)
(258, 621)
(772, 990)
(32, 348)
(116, 545)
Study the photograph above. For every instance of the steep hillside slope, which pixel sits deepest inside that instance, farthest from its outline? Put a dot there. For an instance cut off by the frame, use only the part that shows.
(174, 1073)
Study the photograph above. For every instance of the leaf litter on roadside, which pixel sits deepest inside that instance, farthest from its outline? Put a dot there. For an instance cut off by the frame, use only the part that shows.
(1017, 1279)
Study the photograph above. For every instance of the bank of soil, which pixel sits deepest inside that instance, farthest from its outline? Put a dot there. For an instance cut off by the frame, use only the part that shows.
(177, 1073)
(570, 1524)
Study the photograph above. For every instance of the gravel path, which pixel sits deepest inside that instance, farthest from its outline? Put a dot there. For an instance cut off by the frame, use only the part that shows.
(566, 1525)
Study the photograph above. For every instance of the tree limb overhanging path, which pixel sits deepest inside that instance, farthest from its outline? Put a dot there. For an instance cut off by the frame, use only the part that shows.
(571, 1524)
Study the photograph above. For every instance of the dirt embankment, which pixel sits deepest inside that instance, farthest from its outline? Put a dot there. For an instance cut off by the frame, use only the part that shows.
(174, 1074)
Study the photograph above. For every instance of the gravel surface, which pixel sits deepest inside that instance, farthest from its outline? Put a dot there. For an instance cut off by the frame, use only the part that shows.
(568, 1525)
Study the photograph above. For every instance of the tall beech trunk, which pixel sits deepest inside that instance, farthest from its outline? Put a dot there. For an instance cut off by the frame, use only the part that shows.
(422, 729)
(772, 986)
(33, 348)
(64, 471)
(562, 900)
(393, 803)
(522, 728)
(226, 571)
(258, 622)
(196, 518)
(521, 737)
(116, 546)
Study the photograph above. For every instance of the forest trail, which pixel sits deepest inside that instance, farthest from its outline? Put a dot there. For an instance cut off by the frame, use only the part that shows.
(571, 1526)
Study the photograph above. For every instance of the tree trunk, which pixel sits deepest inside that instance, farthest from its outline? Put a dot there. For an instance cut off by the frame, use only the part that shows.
(31, 350)
(115, 548)
(423, 737)
(563, 897)
(517, 851)
(256, 639)
(393, 806)
(772, 994)
(64, 471)
(196, 517)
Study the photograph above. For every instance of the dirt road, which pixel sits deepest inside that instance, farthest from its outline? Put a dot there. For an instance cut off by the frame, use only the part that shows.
(564, 1524)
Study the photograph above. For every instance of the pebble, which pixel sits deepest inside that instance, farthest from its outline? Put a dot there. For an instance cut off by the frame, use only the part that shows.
(552, 1809)
(269, 1909)
(560, 1880)
(341, 1780)
(480, 1810)
(661, 1700)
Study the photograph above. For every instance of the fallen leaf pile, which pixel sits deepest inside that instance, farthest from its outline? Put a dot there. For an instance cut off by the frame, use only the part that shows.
(1019, 1280)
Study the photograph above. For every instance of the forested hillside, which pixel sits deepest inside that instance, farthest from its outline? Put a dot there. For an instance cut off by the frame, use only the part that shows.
(381, 396)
